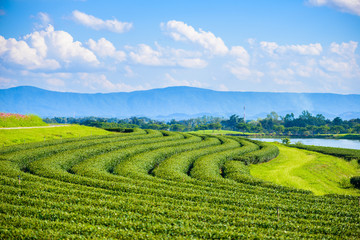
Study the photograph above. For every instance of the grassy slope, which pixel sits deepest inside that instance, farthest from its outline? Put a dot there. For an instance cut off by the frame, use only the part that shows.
(319, 173)
(19, 120)
(16, 136)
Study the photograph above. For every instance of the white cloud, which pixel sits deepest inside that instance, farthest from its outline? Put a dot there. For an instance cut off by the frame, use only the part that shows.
(105, 48)
(180, 31)
(306, 69)
(285, 77)
(273, 48)
(335, 66)
(56, 82)
(98, 24)
(47, 49)
(192, 63)
(61, 45)
(242, 56)
(311, 49)
(60, 75)
(285, 81)
(343, 60)
(222, 87)
(7, 83)
(99, 83)
(324, 70)
(245, 73)
(171, 81)
(269, 47)
(44, 20)
(145, 55)
(129, 72)
(283, 73)
(20, 53)
(349, 6)
(240, 68)
(240, 72)
(344, 49)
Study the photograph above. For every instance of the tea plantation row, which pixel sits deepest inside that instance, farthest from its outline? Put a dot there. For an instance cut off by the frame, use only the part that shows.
(158, 185)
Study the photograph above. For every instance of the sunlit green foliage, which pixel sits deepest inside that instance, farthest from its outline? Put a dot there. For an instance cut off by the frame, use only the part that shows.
(19, 120)
(157, 185)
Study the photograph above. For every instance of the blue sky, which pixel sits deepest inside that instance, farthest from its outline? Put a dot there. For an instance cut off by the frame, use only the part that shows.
(249, 45)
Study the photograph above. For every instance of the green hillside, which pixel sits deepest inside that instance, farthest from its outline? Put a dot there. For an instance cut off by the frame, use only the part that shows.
(17, 136)
(19, 120)
(159, 185)
(319, 173)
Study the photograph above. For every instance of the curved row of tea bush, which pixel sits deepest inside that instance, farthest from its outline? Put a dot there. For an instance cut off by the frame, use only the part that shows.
(157, 185)
(264, 154)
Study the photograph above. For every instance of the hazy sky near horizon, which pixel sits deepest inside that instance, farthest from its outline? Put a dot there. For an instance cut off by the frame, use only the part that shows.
(229, 45)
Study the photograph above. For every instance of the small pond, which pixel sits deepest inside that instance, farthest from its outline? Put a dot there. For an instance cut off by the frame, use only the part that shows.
(340, 143)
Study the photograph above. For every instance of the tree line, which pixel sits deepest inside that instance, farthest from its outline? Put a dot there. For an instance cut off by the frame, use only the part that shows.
(305, 124)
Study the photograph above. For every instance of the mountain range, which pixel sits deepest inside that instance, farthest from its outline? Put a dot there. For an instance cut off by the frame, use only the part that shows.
(175, 102)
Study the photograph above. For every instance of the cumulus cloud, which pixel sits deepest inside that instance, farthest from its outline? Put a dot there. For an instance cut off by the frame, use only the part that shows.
(310, 67)
(305, 69)
(61, 45)
(335, 66)
(283, 76)
(144, 54)
(180, 31)
(342, 60)
(242, 72)
(349, 6)
(105, 48)
(241, 68)
(99, 24)
(20, 53)
(47, 49)
(273, 48)
(344, 49)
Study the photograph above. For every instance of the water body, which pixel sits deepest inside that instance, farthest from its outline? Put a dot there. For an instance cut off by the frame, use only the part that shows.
(340, 143)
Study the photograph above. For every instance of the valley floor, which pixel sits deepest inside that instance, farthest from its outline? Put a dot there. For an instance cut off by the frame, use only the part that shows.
(319, 173)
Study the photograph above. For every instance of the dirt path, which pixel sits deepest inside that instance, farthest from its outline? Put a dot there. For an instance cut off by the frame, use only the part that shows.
(51, 126)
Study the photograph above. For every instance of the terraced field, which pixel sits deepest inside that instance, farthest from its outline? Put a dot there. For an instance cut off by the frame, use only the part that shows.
(158, 185)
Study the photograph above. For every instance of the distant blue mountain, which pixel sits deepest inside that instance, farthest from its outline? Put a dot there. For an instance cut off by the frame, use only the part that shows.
(175, 102)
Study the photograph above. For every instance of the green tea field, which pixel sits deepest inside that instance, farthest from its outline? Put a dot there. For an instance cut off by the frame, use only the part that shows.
(151, 184)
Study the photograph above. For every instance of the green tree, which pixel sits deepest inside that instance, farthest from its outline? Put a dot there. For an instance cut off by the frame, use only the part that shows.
(279, 129)
(357, 128)
(215, 126)
(285, 141)
(241, 126)
(337, 129)
(177, 127)
(337, 121)
(232, 122)
(273, 115)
